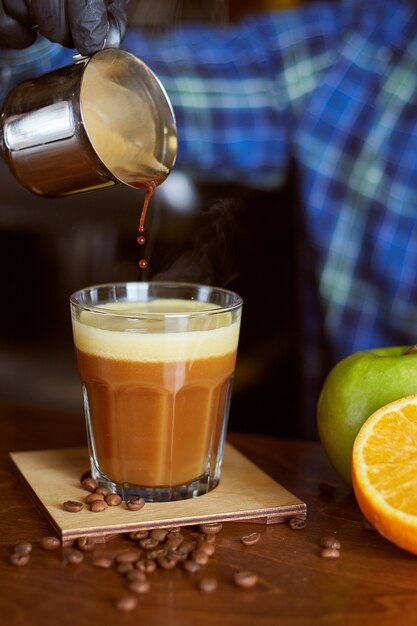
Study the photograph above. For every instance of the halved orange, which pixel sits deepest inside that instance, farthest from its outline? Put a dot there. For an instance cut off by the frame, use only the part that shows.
(384, 471)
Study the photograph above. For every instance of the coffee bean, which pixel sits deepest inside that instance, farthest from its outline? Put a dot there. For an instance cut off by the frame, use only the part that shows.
(174, 540)
(105, 491)
(137, 535)
(50, 543)
(200, 557)
(124, 568)
(245, 579)
(297, 523)
(191, 566)
(207, 585)
(166, 562)
(93, 497)
(90, 484)
(104, 562)
(84, 475)
(73, 506)
(139, 586)
(250, 540)
(19, 559)
(154, 554)
(329, 541)
(149, 543)
(188, 546)
(210, 529)
(113, 499)
(135, 503)
(128, 556)
(23, 547)
(135, 574)
(126, 603)
(330, 553)
(206, 539)
(160, 534)
(85, 543)
(72, 555)
(146, 565)
(208, 548)
(98, 506)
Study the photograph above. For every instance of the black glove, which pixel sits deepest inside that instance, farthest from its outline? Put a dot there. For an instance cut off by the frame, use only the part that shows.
(80, 24)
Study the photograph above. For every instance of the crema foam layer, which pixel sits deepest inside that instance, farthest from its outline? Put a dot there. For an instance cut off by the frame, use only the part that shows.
(191, 330)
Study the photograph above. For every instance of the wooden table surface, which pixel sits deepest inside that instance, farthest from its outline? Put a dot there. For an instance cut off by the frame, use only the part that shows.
(372, 582)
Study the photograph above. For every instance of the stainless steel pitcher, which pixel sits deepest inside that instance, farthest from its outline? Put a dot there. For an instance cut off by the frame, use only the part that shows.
(102, 121)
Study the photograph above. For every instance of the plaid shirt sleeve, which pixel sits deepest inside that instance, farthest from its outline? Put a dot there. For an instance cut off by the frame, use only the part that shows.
(333, 88)
(236, 90)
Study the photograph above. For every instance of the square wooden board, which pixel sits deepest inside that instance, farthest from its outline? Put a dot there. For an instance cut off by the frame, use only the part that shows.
(245, 492)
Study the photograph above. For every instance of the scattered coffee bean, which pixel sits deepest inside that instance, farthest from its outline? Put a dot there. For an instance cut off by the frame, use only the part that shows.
(200, 557)
(160, 534)
(206, 539)
(250, 540)
(146, 565)
(330, 553)
(104, 562)
(148, 543)
(174, 540)
(139, 586)
(208, 548)
(93, 497)
(166, 562)
(191, 566)
(297, 523)
(98, 506)
(160, 550)
(84, 475)
(85, 543)
(124, 568)
(19, 559)
(137, 535)
(73, 506)
(90, 484)
(135, 574)
(245, 579)
(135, 503)
(23, 547)
(330, 541)
(188, 546)
(105, 491)
(128, 556)
(207, 585)
(50, 543)
(326, 489)
(210, 529)
(126, 603)
(72, 555)
(113, 499)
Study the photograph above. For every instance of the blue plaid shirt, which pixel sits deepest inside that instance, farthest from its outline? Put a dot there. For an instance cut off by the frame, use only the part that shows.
(331, 88)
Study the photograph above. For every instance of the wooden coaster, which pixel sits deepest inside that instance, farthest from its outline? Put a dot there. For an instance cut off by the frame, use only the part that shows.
(245, 493)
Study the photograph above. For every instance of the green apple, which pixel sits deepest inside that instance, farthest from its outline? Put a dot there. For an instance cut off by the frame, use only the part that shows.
(356, 387)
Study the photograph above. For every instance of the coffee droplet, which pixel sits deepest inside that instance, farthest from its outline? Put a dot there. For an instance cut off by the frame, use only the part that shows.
(143, 263)
(141, 240)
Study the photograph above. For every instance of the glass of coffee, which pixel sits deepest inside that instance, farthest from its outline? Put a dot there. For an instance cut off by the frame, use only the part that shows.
(156, 362)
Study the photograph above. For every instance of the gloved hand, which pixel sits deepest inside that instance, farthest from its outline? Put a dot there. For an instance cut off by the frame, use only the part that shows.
(80, 24)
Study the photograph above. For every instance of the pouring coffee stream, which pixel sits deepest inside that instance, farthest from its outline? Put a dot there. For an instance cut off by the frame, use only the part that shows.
(105, 120)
